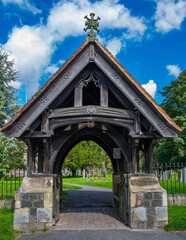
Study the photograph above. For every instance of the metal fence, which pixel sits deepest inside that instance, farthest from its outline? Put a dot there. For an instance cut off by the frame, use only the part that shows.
(10, 181)
(172, 177)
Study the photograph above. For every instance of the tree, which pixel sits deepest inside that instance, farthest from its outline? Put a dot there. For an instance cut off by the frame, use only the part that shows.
(8, 74)
(84, 155)
(173, 149)
(11, 149)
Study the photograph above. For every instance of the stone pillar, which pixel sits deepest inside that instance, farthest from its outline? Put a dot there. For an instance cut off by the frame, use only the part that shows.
(147, 202)
(34, 203)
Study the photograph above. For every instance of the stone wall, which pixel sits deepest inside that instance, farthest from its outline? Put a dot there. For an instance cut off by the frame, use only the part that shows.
(147, 202)
(34, 208)
(177, 200)
(142, 201)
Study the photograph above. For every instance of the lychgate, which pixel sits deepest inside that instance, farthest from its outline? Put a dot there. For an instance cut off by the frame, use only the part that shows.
(91, 97)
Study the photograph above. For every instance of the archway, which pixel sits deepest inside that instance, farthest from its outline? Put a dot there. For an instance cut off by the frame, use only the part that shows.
(123, 119)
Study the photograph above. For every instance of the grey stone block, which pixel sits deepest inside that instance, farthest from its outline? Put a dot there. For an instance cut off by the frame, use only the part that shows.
(157, 203)
(44, 215)
(38, 204)
(139, 195)
(33, 196)
(21, 216)
(158, 196)
(148, 195)
(40, 196)
(161, 213)
(147, 203)
(26, 203)
(140, 212)
(33, 211)
(25, 196)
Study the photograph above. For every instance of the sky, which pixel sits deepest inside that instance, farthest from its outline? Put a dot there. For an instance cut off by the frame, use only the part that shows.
(147, 37)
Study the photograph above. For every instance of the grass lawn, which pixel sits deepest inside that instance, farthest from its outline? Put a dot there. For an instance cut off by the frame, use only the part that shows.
(177, 219)
(67, 186)
(6, 225)
(97, 182)
(171, 186)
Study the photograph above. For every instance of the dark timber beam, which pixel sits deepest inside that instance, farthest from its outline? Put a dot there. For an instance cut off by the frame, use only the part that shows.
(134, 145)
(148, 149)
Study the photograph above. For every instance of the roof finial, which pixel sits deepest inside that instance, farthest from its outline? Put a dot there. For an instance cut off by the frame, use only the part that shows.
(92, 24)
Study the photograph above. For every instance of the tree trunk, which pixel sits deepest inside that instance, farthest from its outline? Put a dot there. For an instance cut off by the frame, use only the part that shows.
(73, 172)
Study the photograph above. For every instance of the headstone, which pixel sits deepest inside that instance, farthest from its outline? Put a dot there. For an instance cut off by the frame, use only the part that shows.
(83, 173)
(164, 175)
(87, 178)
(180, 175)
(184, 175)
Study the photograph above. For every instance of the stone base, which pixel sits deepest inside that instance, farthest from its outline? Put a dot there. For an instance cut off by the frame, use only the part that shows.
(34, 200)
(147, 202)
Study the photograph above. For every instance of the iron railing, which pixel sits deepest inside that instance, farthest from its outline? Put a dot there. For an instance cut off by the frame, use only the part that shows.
(10, 181)
(172, 177)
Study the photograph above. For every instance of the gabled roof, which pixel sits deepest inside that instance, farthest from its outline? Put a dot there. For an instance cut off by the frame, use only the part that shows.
(116, 63)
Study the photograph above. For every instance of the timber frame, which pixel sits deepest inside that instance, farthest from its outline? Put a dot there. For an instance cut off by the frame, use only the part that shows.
(91, 97)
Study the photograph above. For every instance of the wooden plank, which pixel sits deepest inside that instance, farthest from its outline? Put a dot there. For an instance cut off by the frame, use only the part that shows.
(93, 111)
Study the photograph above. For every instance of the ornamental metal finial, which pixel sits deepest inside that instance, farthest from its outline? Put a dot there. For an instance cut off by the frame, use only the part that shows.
(92, 24)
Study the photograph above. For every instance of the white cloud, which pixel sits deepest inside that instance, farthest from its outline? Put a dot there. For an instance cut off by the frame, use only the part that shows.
(173, 70)
(114, 46)
(24, 4)
(15, 84)
(33, 46)
(51, 69)
(32, 52)
(169, 14)
(150, 87)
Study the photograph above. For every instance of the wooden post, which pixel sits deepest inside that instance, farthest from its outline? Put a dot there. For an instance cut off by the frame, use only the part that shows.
(78, 95)
(148, 148)
(30, 157)
(134, 145)
(46, 149)
(104, 95)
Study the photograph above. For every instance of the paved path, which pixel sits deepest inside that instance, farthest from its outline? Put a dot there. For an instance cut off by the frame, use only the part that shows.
(105, 235)
(92, 218)
(89, 197)
(89, 208)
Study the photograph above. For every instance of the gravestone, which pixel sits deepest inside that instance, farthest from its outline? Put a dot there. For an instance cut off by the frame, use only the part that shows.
(184, 175)
(84, 173)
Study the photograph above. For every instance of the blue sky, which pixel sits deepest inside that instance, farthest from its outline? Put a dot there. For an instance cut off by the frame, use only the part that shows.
(147, 36)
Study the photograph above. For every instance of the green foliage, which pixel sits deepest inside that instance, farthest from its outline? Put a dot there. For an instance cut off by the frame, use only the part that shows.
(177, 219)
(84, 155)
(8, 74)
(173, 149)
(11, 153)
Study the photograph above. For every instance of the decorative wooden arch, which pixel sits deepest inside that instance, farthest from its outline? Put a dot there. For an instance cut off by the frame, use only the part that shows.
(113, 99)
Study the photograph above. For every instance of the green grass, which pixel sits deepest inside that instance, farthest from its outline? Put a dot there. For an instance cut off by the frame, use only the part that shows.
(67, 186)
(105, 183)
(177, 219)
(6, 224)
